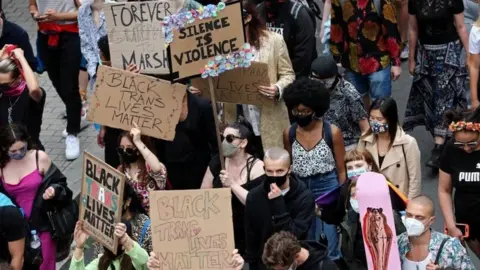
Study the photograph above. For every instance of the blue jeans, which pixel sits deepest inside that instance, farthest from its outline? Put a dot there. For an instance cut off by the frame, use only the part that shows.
(378, 84)
(320, 184)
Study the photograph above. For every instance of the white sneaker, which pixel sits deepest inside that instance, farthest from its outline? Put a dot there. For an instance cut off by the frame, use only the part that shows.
(72, 147)
(83, 119)
(404, 54)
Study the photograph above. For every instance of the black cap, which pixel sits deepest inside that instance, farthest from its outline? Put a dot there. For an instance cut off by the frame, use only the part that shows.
(324, 67)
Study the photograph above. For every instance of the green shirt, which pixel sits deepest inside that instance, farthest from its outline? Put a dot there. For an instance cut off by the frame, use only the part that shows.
(138, 255)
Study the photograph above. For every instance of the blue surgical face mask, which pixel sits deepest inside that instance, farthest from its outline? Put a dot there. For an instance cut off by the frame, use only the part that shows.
(355, 173)
(378, 127)
(20, 154)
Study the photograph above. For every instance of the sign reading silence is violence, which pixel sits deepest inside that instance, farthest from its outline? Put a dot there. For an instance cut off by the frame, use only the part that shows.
(101, 200)
(135, 34)
(122, 98)
(196, 37)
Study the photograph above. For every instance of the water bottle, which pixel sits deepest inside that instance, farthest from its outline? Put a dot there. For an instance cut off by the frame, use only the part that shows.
(97, 126)
(35, 241)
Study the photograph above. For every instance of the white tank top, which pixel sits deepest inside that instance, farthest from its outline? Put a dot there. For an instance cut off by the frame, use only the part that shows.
(422, 265)
(58, 5)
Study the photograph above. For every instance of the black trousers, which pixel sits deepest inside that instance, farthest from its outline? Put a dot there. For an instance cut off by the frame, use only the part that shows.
(63, 66)
(35, 116)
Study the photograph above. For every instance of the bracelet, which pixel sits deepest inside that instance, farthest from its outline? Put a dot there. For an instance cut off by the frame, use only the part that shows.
(80, 247)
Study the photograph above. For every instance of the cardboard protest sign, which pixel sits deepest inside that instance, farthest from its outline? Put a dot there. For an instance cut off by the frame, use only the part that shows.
(122, 98)
(135, 34)
(238, 85)
(204, 39)
(192, 229)
(101, 200)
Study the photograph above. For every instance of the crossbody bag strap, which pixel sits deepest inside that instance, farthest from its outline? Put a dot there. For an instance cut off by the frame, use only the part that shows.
(406, 164)
(437, 259)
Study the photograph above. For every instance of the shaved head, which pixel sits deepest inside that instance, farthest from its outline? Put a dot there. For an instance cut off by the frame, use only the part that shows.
(424, 202)
(277, 154)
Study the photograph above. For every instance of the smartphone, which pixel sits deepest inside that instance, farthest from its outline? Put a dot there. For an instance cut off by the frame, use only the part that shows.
(464, 228)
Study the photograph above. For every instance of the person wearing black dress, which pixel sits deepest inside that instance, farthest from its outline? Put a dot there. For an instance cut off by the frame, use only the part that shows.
(243, 171)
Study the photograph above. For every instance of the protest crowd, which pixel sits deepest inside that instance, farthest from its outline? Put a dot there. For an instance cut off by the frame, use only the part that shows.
(231, 143)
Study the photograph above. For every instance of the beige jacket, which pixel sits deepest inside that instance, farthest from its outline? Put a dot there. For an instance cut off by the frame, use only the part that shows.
(404, 171)
(273, 119)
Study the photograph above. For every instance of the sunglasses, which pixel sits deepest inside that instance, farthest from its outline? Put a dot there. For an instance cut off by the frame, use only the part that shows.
(230, 138)
(473, 144)
(128, 151)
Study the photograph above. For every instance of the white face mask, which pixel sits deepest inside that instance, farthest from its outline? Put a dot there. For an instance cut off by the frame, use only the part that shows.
(414, 227)
(354, 204)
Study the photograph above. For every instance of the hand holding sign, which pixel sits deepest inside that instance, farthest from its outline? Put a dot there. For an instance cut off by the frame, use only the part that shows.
(269, 91)
(237, 260)
(80, 235)
(133, 68)
(153, 262)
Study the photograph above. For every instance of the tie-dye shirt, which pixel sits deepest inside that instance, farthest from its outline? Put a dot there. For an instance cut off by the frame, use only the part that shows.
(452, 255)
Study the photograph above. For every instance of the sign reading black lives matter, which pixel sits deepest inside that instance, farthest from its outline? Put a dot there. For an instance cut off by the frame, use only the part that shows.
(135, 35)
(193, 46)
(101, 200)
(192, 229)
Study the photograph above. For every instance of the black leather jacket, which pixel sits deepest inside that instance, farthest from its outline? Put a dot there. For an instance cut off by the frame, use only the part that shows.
(63, 195)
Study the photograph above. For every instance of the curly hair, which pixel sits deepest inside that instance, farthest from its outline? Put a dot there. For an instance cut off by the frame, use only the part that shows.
(280, 250)
(308, 92)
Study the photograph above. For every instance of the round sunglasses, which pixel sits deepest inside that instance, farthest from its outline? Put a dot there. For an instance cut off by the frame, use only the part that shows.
(128, 151)
(229, 138)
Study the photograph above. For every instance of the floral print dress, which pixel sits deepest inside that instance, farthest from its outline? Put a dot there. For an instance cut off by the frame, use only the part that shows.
(154, 181)
(452, 255)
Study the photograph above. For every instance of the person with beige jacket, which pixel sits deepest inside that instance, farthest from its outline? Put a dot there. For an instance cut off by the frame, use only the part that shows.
(395, 152)
(268, 121)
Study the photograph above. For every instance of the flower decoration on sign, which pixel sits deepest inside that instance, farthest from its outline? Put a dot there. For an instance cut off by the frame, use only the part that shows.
(181, 20)
(222, 63)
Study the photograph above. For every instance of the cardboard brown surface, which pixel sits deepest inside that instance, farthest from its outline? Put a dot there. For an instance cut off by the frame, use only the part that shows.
(122, 98)
(101, 200)
(135, 34)
(192, 229)
(239, 85)
(194, 45)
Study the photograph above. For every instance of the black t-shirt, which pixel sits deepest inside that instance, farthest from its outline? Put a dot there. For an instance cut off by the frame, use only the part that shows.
(464, 169)
(19, 107)
(12, 228)
(435, 19)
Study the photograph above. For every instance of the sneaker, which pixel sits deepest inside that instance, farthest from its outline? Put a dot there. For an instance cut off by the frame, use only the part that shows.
(404, 54)
(72, 147)
(83, 119)
(434, 160)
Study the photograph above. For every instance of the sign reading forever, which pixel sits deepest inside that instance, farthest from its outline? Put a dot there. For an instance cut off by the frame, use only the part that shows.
(101, 200)
(122, 98)
(202, 40)
(135, 34)
(238, 85)
(192, 229)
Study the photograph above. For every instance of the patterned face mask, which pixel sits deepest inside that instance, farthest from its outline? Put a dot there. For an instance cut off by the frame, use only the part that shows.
(329, 82)
(378, 127)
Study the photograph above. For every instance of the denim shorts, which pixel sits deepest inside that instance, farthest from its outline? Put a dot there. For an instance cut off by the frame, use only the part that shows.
(378, 85)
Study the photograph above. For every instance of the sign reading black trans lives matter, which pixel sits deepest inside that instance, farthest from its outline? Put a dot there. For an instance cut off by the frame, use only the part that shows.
(197, 43)
(135, 34)
(101, 200)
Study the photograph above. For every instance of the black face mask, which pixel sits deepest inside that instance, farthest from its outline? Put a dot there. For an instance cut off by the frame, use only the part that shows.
(304, 120)
(279, 180)
(130, 158)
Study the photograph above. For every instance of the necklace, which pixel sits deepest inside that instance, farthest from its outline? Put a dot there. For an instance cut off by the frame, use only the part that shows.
(9, 110)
